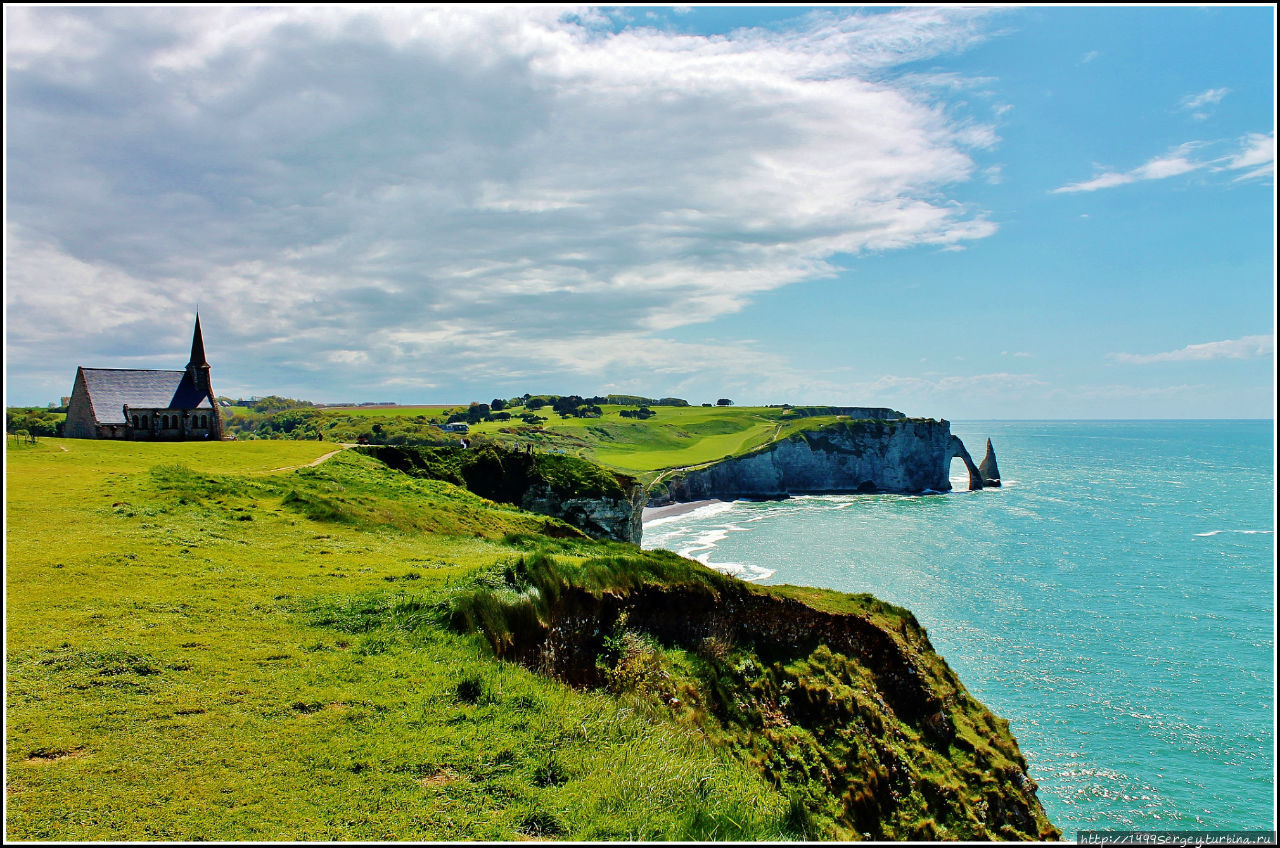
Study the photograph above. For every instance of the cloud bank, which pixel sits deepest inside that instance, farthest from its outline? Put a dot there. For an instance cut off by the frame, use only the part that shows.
(375, 198)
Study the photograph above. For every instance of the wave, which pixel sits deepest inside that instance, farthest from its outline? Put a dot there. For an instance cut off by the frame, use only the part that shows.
(741, 570)
(704, 542)
(1243, 532)
(701, 546)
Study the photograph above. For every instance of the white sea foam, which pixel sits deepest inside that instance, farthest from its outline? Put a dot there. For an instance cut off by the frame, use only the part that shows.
(704, 542)
(701, 512)
(741, 570)
(699, 545)
(1243, 532)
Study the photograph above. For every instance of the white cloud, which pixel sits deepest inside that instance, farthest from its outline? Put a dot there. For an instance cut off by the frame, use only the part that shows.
(1107, 180)
(981, 384)
(1246, 347)
(1172, 164)
(1162, 167)
(1196, 102)
(1089, 57)
(1257, 151)
(447, 188)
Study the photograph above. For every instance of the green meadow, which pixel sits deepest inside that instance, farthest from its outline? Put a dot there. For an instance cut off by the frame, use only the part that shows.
(672, 437)
(676, 437)
(219, 641)
(430, 410)
(283, 640)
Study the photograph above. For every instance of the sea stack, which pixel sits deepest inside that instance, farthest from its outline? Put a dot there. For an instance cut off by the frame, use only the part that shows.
(988, 469)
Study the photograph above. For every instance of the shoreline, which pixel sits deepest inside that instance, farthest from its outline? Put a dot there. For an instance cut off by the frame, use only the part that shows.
(649, 513)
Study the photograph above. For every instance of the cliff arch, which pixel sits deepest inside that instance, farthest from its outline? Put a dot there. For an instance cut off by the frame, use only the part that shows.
(956, 448)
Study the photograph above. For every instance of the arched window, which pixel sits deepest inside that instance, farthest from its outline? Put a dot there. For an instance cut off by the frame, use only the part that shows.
(135, 422)
(204, 421)
(144, 422)
(164, 422)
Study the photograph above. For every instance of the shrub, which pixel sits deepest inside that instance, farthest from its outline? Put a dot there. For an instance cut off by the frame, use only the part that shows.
(469, 690)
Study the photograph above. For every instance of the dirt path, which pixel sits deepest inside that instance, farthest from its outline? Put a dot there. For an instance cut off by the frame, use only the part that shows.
(311, 464)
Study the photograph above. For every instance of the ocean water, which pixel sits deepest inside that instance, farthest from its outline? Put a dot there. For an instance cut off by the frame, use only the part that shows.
(1115, 601)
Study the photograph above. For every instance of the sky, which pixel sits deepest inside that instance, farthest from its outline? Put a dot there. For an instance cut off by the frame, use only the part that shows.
(962, 213)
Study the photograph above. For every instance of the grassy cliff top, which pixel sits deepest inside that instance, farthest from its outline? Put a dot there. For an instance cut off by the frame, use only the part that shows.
(658, 440)
(675, 437)
(224, 641)
(199, 651)
(504, 475)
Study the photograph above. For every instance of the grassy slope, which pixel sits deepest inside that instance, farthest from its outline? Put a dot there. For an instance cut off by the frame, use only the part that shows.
(811, 715)
(194, 655)
(674, 438)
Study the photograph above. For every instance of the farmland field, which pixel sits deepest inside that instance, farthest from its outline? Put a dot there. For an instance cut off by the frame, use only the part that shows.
(429, 410)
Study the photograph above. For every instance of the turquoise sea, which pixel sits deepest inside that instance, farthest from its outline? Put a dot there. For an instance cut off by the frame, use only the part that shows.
(1115, 601)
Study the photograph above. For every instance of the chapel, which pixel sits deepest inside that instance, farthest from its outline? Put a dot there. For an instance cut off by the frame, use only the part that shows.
(145, 405)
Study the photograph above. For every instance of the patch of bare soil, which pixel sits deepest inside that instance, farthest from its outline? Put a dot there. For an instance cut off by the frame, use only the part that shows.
(443, 777)
(48, 755)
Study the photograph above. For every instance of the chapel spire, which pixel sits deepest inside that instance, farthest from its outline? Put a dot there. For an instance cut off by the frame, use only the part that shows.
(197, 348)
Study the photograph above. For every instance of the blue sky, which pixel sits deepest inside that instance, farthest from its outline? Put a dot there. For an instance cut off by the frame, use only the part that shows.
(1047, 212)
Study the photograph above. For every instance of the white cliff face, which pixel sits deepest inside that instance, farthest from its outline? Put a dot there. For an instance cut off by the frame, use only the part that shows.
(989, 470)
(848, 456)
(619, 519)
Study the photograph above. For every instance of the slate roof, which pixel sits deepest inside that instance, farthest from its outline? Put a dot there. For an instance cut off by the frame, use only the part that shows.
(111, 388)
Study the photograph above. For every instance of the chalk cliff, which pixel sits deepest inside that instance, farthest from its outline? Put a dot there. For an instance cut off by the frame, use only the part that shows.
(988, 469)
(617, 517)
(864, 455)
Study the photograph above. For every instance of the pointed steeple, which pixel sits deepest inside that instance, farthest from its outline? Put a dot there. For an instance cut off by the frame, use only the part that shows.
(197, 348)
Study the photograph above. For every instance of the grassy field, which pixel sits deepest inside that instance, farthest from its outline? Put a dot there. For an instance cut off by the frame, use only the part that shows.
(228, 641)
(203, 646)
(675, 437)
(429, 410)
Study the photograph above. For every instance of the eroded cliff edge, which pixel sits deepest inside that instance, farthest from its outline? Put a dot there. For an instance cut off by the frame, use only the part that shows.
(600, 503)
(839, 700)
(857, 455)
